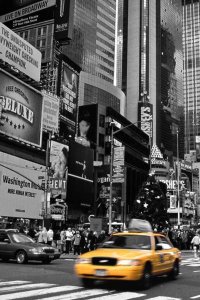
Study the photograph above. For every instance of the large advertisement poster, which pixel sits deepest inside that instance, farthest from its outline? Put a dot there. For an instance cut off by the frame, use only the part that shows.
(23, 110)
(20, 187)
(80, 180)
(64, 19)
(19, 53)
(69, 93)
(59, 154)
(87, 125)
(26, 12)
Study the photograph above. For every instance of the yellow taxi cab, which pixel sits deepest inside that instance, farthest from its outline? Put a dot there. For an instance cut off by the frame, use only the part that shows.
(135, 255)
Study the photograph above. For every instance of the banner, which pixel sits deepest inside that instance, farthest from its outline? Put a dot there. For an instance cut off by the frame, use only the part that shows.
(20, 187)
(69, 93)
(118, 164)
(19, 53)
(23, 110)
(50, 112)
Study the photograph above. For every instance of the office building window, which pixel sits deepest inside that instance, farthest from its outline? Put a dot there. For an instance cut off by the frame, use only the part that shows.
(102, 121)
(101, 140)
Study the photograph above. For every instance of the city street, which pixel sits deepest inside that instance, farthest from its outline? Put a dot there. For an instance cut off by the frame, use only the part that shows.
(57, 281)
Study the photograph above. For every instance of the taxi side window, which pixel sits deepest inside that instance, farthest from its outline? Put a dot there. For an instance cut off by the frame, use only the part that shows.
(162, 241)
(3, 237)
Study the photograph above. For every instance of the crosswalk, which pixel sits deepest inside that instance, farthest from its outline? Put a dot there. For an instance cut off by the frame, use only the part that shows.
(11, 290)
(191, 262)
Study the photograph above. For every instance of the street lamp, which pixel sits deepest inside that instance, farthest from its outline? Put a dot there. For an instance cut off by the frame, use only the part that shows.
(178, 179)
(111, 169)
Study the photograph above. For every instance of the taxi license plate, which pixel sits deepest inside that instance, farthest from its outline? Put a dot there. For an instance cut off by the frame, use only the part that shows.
(51, 256)
(101, 273)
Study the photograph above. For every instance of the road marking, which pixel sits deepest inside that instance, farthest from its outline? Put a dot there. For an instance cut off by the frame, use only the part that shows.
(16, 282)
(78, 295)
(196, 271)
(163, 298)
(26, 286)
(122, 296)
(38, 292)
(195, 297)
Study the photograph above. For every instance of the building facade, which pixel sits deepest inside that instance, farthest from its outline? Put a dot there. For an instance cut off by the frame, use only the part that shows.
(154, 68)
(191, 52)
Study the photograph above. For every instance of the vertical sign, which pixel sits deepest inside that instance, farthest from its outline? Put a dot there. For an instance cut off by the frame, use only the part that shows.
(118, 165)
(145, 117)
(64, 19)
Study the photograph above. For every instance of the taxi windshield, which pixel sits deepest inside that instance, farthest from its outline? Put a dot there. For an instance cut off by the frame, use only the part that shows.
(141, 242)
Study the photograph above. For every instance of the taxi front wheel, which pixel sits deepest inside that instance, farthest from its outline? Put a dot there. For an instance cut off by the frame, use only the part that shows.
(146, 278)
(174, 272)
(87, 282)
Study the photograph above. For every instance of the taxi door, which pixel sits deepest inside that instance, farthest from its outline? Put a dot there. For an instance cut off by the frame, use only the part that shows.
(164, 254)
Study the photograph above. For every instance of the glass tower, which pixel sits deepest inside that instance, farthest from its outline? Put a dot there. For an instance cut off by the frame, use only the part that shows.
(93, 42)
(154, 67)
(191, 50)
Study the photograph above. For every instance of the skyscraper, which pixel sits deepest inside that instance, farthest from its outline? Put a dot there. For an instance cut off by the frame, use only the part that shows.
(154, 67)
(93, 42)
(191, 50)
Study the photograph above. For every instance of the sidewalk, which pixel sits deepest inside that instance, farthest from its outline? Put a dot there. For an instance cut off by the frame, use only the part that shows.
(68, 256)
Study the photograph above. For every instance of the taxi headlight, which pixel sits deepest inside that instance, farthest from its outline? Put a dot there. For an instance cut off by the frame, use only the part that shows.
(129, 262)
(83, 261)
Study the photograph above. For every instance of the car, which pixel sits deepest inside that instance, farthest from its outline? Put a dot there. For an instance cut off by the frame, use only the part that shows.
(19, 246)
(135, 255)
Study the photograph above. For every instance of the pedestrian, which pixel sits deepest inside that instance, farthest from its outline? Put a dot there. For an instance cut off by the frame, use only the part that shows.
(68, 240)
(76, 242)
(50, 235)
(195, 243)
(101, 238)
(39, 236)
(62, 241)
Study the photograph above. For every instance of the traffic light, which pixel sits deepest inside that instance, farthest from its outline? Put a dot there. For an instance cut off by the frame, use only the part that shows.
(2, 115)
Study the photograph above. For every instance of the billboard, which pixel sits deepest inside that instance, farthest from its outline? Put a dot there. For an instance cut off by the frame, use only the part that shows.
(59, 160)
(64, 19)
(26, 12)
(20, 187)
(51, 105)
(23, 110)
(87, 125)
(145, 117)
(69, 93)
(80, 180)
(19, 53)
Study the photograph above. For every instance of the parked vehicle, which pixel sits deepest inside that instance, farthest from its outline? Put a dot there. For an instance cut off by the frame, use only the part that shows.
(19, 246)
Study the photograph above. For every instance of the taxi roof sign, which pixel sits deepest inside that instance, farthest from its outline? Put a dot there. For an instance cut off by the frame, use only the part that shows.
(138, 225)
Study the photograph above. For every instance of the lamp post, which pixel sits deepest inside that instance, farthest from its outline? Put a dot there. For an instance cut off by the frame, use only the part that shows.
(178, 180)
(111, 170)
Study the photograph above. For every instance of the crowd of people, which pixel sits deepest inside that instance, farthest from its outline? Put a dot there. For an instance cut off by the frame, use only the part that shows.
(70, 240)
(79, 240)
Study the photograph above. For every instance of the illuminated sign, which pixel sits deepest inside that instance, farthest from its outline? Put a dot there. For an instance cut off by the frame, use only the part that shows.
(145, 117)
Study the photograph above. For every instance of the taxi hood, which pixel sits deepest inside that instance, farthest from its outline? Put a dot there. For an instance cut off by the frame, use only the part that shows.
(117, 253)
